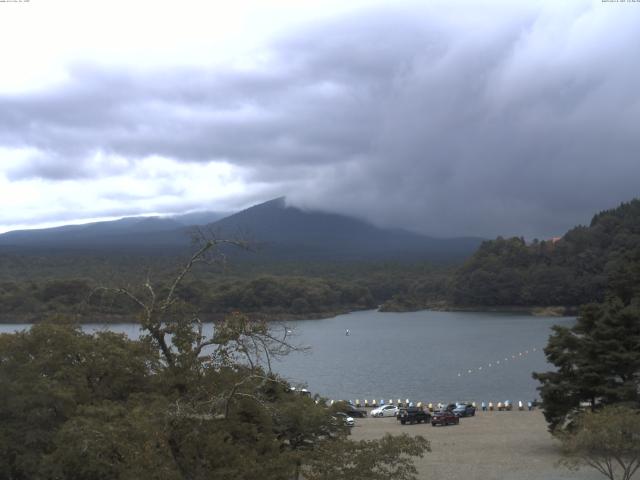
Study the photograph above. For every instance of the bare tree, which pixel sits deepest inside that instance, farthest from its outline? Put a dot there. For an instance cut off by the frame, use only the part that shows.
(179, 335)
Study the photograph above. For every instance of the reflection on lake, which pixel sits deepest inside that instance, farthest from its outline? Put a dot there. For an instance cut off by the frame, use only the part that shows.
(421, 355)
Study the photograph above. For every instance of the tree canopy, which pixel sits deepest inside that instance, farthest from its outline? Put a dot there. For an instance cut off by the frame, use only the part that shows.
(597, 361)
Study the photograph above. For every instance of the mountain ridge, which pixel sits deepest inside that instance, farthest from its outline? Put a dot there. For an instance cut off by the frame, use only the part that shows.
(281, 232)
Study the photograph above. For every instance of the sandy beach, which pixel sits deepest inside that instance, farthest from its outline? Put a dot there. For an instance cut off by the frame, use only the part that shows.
(490, 446)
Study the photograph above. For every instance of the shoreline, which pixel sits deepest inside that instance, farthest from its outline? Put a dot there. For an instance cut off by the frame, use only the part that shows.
(549, 311)
(534, 311)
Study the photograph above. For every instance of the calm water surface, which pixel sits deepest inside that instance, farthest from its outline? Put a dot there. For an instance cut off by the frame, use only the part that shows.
(423, 356)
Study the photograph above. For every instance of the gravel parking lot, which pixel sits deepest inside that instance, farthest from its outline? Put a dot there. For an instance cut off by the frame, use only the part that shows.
(490, 446)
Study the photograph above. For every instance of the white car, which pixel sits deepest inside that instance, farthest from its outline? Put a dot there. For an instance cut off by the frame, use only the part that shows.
(348, 421)
(385, 411)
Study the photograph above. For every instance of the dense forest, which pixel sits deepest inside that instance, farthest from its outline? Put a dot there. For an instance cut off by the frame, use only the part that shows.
(583, 266)
(34, 288)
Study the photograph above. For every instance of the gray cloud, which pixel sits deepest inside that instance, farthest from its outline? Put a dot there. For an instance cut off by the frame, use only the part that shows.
(525, 123)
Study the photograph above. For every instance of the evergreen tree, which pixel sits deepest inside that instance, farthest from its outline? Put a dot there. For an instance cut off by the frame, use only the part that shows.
(597, 360)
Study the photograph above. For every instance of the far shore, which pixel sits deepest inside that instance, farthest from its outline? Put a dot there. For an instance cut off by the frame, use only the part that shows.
(548, 311)
(494, 445)
(536, 311)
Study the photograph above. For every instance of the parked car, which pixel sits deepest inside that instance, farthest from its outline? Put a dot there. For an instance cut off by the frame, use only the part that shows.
(385, 411)
(350, 410)
(444, 417)
(413, 415)
(348, 421)
(464, 410)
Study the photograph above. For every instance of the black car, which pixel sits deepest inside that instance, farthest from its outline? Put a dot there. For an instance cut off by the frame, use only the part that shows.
(351, 410)
(413, 415)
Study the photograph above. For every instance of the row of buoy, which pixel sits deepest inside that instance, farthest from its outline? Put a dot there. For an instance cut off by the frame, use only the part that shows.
(505, 406)
(497, 363)
(491, 406)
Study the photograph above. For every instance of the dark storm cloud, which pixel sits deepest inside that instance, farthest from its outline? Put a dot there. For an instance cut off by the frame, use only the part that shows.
(480, 124)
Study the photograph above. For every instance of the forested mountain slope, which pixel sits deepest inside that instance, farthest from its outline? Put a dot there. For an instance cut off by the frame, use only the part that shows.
(280, 233)
(581, 267)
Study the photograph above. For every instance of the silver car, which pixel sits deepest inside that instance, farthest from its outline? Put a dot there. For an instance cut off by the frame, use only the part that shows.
(385, 411)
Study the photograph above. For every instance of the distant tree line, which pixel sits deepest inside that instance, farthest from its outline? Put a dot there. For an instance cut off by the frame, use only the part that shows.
(268, 295)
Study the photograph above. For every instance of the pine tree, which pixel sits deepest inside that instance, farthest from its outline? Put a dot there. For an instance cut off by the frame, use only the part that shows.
(597, 360)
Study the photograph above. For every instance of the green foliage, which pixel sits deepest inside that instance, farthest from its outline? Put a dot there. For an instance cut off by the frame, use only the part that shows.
(388, 458)
(346, 288)
(48, 373)
(299, 295)
(577, 269)
(597, 361)
(607, 440)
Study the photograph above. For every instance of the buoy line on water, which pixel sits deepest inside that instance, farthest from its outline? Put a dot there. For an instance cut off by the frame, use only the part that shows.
(498, 363)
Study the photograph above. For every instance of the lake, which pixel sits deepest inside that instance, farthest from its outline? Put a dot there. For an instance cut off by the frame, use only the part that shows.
(423, 356)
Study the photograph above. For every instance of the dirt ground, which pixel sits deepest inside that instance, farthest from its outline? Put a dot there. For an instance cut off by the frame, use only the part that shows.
(490, 446)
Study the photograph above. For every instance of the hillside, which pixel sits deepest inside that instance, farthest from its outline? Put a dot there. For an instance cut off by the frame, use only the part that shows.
(279, 232)
(286, 232)
(132, 233)
(583, 266)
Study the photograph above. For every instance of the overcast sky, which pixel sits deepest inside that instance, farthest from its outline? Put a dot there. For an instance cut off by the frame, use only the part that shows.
(449, 118)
